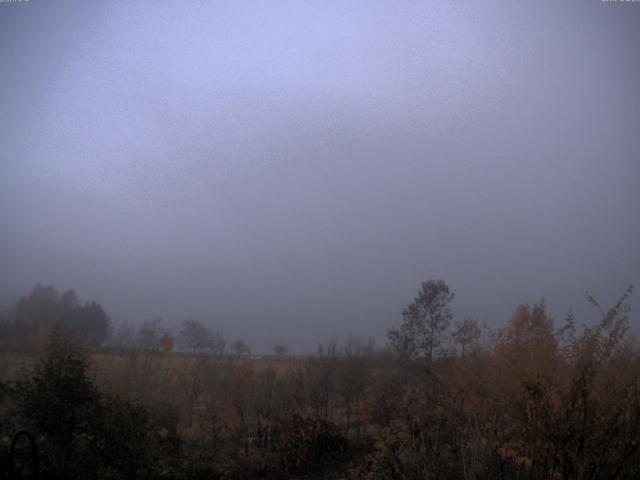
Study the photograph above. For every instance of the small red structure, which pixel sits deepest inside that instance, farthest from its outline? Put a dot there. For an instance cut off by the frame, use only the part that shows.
(166, 343)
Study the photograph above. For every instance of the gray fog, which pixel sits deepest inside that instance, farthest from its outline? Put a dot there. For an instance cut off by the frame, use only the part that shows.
(288, 171)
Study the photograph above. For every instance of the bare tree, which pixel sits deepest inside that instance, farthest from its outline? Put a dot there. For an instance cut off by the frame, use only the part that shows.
(467, 335)
(353, 374)
(240, 347)
(124, 338)
(424, 322)
(280, 349)
(149, 334)
(321, 377)
(196, 337)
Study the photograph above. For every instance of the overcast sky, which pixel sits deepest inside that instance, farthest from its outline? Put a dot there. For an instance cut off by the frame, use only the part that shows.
(286, 171)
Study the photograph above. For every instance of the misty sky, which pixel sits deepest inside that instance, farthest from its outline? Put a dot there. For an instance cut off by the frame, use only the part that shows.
(286, 171)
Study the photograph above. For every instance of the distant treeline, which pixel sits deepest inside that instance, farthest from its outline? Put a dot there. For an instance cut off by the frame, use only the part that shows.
(446, 399)
(29, 323)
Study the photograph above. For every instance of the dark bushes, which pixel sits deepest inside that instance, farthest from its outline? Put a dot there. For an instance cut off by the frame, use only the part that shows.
(83, 433)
